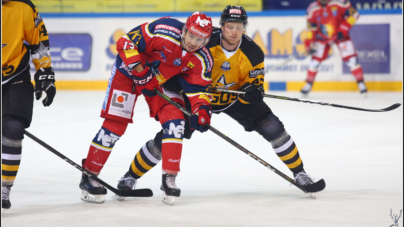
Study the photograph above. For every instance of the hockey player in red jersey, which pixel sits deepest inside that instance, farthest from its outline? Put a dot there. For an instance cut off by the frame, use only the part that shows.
(147, 57)
(239, 65)
(329, 21)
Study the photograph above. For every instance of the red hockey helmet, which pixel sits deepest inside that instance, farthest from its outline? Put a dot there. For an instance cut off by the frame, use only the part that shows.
(200, 25)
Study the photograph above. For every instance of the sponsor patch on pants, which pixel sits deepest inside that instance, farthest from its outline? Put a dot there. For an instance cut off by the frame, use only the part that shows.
(122, 104)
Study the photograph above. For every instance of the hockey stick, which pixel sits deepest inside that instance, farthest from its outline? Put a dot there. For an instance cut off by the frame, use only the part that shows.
(392, 107)
(129, 193)
(316, 187)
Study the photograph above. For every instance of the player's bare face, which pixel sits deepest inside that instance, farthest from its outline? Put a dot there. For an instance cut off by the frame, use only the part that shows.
(232, 32)
(192, 42)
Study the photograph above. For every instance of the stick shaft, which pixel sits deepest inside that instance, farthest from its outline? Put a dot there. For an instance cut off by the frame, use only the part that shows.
(69, 161)
(392, 107)
(232, 142)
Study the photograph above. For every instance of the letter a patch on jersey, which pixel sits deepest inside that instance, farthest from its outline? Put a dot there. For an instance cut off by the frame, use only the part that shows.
(122, 104)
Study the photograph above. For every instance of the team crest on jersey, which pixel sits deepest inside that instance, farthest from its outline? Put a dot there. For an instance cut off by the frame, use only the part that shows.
(177, 62)
(325, 14)
(225, 66)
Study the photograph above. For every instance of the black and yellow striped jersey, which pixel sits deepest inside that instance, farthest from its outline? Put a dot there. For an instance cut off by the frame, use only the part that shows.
(231, 70)
(22, 30)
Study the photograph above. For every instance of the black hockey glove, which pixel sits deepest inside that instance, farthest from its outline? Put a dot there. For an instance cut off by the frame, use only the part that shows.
(253, 93)
(45, 81)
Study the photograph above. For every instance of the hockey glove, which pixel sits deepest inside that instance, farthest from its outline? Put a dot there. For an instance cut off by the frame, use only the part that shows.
(343, 29)
(308, 45)
(45, 81)
(253, 93)
(147, 78)
(200, 118)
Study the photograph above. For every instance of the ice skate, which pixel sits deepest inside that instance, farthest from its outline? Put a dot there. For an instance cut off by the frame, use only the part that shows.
(363, 89)
(170, 189)
(304, 179)
(127, 182)
(5, 198)
(92, 191)
(306, 89)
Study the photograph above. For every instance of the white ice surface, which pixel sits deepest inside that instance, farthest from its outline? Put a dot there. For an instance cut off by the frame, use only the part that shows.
(358, 154)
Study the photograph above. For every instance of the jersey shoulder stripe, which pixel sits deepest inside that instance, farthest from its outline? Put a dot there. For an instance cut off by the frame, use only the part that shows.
(253, 52)
(204, 56)
(168, 28)
(341, 3)
(207, 58)
(312, 7)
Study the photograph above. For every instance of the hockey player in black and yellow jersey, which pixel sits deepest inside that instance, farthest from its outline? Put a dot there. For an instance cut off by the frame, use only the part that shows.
(23, 35)
(238, 65)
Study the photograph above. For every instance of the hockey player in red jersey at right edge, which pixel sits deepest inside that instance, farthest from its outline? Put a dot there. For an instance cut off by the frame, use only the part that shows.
(329, 21)
(148, 56)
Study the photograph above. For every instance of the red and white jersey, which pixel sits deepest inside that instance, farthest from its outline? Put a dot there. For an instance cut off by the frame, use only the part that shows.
(325, 21)
(161, 40)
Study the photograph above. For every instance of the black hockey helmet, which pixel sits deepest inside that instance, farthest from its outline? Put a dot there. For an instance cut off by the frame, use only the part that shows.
(233, 14)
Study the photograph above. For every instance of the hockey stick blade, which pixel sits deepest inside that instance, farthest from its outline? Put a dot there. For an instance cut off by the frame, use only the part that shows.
(315, 187)
(129, 193)
(392, 107)
(143, 192)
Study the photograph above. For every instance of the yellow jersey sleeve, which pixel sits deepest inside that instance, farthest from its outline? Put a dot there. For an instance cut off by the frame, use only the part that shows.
(36, 35)
(252, 67)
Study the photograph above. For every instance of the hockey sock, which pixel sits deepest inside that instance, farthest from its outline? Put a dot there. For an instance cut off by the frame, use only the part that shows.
(147, 157)
(357, 72)
(172, 144)
(11, 148)
(286, 150)
(10, 160)
(100, 149)
(312, 70)
(355, 67)
(311, 75)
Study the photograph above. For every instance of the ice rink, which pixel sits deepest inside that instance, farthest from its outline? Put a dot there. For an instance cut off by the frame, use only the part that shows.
(358, 154)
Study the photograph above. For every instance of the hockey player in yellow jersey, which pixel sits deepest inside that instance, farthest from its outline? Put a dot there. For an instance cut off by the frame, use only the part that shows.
(23, 35)
(238, 65)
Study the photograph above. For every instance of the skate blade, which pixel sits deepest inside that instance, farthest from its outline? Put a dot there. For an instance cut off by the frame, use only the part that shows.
(92, 198)
(119, 198)
(312, 195)
(169, 200)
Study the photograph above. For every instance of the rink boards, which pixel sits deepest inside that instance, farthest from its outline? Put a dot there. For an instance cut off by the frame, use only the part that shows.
(83, 50)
